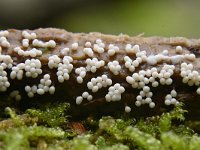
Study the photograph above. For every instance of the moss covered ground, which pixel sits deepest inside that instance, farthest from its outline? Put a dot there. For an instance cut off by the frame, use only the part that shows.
(51, 128)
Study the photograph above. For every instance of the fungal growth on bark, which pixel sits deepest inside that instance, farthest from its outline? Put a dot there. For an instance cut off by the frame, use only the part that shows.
(98, 73)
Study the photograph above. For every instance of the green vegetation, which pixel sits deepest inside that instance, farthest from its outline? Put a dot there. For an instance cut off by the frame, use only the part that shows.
(50, 128)
(153, 18)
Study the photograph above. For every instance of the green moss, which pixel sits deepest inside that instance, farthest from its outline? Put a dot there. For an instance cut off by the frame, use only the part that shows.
(14, 117)
(23, 137)
(51, 115)
(50, 129)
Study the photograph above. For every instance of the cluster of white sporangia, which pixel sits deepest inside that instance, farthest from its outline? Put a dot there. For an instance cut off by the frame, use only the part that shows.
(32, 52)
(54, 60)
(140, 57)
(97, 83)
(35, 42)
(114, 67)
(3, 39)
(190, 76)
(143, 79)
(112, 49)
(153, 76)
(29, 36)
(145, 97)
(91, 66)
(140, 80)
(64, 69)
(132, 64)
(4, 83)
(98, 47)
(114, 93)
(81, 72)
(32, 68)
(85, 95)
(5, 62)
(43, 87)
(170, 99)
(38, 43)
(94, 64)
(132, 49)
(17, 71)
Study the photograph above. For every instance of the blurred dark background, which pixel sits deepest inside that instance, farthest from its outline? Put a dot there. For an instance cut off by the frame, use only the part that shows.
(133, 17)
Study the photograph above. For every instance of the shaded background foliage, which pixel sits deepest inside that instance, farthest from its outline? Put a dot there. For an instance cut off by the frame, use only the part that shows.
(133, 17)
